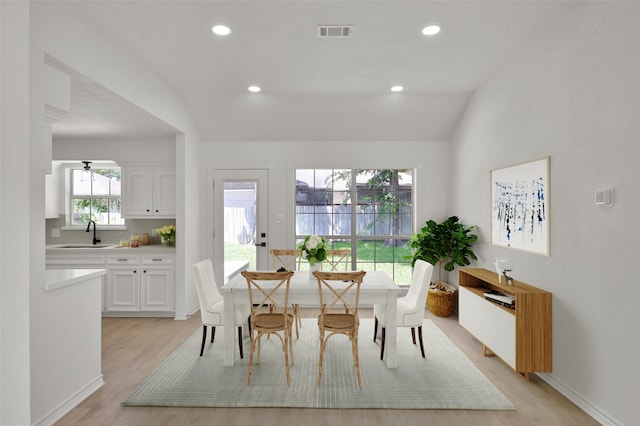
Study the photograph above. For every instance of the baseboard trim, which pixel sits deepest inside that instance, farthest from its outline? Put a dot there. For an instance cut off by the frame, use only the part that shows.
(181, 316)
(595, 412)
(53, 416)
(136, 314)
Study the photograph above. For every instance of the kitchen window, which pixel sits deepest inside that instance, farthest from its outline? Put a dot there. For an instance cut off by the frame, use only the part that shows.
(369, 211)
(95, 195)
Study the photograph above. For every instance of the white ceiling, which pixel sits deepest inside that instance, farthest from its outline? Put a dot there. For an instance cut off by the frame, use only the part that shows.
(316, 89)
(97, 112)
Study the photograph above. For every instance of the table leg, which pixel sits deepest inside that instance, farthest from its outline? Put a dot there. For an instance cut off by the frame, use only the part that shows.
(391, 346)
(229, 328)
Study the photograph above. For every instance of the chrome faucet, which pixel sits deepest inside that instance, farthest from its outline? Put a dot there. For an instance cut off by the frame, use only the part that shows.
(95, 240)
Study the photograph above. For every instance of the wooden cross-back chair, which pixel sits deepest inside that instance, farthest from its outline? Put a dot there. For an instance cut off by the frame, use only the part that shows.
(269, 313)
(286, 258)
(339, 259)
(290, 260)
(339, 311)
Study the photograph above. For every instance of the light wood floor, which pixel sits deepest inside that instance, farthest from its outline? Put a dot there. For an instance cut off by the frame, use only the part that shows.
(133, 347)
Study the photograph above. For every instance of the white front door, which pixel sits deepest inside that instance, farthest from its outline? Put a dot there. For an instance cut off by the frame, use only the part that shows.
(240, 222)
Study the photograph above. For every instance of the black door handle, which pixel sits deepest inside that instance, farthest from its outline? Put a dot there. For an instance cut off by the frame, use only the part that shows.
(261, 245)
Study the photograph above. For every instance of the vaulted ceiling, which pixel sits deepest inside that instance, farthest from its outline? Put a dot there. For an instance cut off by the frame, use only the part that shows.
(312, 88)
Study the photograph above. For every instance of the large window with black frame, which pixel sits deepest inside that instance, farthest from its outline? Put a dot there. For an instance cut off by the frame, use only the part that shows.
(369, 211)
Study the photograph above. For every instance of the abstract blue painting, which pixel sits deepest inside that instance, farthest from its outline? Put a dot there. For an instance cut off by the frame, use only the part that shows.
(520, 206)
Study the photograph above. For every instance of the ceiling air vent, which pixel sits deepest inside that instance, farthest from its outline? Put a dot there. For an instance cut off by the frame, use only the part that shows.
(331, 31)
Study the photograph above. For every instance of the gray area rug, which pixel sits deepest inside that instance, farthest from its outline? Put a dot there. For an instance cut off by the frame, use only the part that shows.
(446, 379)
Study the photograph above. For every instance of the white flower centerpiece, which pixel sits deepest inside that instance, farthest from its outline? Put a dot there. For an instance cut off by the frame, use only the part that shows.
(313, 249)
(168, 235)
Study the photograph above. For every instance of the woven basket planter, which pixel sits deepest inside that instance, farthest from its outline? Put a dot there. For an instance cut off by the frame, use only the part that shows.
(441, 302)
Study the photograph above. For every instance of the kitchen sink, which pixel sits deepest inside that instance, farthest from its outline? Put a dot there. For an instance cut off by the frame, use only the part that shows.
(83, 246)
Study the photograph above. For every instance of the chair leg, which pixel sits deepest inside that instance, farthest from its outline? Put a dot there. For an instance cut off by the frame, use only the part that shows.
(259, 344)
(252, 348)
(240, 341)
(296, 318)
(356, 360)
(413, 335)
(286, 346)
(375, 328)
(382, 343)
(420, 336)
(213, 333)
(204, 339)
(291, 349)
(322, 347)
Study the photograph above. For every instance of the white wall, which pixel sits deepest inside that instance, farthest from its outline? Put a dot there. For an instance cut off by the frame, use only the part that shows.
(121, 150)
(573, 95)
(14, 223)
(74, 42)
(431, 160)
(56, 31)
(66, 353)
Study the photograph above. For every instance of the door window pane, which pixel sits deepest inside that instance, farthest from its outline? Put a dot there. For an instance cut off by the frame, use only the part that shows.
(240, 222)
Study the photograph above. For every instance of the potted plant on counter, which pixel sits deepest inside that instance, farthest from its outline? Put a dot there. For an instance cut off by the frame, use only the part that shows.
(444, 245)
(168, 235)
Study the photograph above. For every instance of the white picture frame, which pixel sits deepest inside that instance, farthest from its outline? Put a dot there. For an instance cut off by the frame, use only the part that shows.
(520, 206)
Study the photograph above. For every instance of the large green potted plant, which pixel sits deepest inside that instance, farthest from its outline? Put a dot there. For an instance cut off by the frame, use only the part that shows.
(444, 245)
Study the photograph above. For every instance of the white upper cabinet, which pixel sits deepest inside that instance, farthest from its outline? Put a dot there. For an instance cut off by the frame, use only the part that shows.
(149, 191)
(54, 195)
(164, 191)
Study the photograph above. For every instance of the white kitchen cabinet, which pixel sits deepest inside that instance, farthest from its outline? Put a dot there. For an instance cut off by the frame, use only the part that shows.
(123, 289)
(54, 200)
(164, 191)
(139, 281)
(123, 283)
(140, 284)
(157, 284)
(148, 191)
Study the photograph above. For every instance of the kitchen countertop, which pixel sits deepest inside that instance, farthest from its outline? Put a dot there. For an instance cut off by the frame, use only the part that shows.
(109, 249)
(58, 278)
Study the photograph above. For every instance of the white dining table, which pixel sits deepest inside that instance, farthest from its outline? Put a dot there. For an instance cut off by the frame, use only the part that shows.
(377, 287)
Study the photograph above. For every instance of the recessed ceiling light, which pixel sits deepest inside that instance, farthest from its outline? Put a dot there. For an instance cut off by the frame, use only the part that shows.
(254, 89)
(221, 30)
(397, 88)
(430, 30)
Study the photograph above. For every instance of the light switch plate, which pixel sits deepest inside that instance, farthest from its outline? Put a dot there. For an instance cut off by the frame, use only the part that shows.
(279, 218)
(604, 197)
(55, 232)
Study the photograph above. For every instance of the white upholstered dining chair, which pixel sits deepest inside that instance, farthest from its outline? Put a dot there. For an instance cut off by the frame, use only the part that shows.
(410, 308)
(212, 303)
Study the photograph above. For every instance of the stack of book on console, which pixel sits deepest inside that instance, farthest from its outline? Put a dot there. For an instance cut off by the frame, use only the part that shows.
(500, 298)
